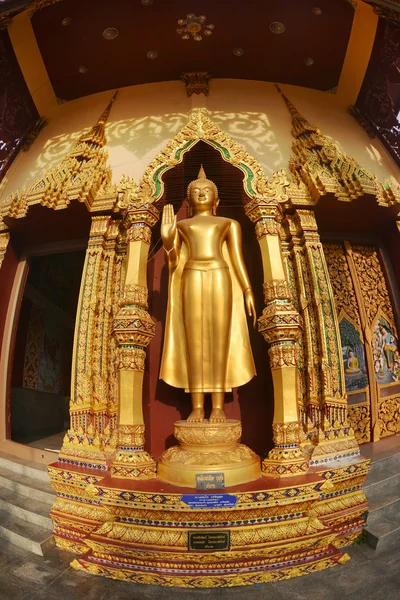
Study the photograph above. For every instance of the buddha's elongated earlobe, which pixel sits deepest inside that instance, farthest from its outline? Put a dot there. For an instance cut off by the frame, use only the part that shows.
(214, 208)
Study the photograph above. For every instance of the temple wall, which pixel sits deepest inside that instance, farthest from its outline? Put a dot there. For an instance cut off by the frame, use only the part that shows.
(145, 117)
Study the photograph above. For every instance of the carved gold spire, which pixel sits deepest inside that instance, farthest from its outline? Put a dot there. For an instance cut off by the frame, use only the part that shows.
(97, 134)
(317, 163)
(299, 123)
(82, 175)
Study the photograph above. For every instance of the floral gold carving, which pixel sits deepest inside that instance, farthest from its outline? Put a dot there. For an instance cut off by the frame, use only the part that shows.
(131, 359)
(4, 239)
(139, 233)
(286, 433)
(372, 283)
(282, 356)
(389, 416)
(207, 434)
(266, 227)
(135, 294)
(342, 285)
(131, 435)
(276, 289)
(218, 457)
(196, 82)
(359, 417)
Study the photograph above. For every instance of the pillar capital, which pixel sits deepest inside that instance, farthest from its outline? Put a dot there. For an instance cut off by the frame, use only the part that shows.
(141, 213)
(262, 208)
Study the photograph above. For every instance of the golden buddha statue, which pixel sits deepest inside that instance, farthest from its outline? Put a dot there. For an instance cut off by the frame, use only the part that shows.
(206, 346)
(352, 363)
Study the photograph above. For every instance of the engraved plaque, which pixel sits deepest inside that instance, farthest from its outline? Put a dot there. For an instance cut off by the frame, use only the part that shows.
(209, 541)
(209, 501)
(210, 481)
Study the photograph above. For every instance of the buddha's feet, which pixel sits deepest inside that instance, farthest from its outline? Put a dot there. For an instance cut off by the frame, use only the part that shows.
(217, 416)
(196, 416)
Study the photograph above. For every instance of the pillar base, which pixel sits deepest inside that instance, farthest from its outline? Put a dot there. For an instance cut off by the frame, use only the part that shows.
(334, 442)
(281, 463)
(83, 450)
(133, 465)
(287, 458)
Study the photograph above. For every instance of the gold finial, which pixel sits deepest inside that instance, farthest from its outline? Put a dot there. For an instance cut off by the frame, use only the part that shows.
(299, 123)
(106, 113)
(97, 134)
(292, 109)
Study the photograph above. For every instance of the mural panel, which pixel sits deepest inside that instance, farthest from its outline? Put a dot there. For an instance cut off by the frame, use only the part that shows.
(385, 352)
(353, 356)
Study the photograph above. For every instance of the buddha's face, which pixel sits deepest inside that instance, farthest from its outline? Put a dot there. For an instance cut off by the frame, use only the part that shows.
(202, 196)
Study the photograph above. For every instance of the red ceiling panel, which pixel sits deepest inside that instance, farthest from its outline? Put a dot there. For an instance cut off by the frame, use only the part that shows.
(238, 23)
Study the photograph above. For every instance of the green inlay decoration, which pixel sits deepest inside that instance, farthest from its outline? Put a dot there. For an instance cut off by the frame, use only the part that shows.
(184, 148)
(250, 177)
(224, 151)
(157, 178)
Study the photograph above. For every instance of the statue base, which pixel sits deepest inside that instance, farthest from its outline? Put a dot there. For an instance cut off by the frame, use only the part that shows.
(151, 532)
(208, 448)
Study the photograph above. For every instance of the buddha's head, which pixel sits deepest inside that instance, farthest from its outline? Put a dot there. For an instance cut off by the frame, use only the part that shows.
(202, 194)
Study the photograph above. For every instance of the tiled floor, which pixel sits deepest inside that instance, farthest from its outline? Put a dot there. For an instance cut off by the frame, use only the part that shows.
(369, 575)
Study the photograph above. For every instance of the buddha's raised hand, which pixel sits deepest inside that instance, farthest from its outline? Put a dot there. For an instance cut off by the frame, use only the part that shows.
(168, 227)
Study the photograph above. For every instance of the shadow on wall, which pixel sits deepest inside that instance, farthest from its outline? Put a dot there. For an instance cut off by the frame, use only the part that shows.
(132, 141)
(252, 130)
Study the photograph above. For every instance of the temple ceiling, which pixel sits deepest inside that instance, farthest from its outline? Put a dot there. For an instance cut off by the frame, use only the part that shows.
(92, 46)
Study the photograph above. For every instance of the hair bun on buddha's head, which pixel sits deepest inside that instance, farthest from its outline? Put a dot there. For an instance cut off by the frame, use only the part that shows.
(201, 178)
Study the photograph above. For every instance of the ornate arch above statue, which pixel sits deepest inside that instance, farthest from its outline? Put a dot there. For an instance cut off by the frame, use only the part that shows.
(201, 128)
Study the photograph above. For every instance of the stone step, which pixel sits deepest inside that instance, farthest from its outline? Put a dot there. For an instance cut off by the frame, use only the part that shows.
(25, 508)
(383, 526)
(26, 535)
(383, 468)
(383, 492)
(24, 467)
(26, 486)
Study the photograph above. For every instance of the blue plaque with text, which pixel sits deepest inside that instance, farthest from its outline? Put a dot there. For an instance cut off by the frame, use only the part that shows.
(208, 501)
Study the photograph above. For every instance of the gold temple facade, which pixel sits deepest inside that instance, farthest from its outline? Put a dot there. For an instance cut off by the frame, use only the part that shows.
(319, 208)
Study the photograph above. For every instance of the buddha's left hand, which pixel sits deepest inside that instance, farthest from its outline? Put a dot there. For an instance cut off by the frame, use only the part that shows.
(250, 305)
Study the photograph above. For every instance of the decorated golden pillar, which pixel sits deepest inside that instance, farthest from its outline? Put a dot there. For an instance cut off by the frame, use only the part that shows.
(84, 176)
(308, 351)
(91, 371)
(134, 329)
(318, 168)
(328, 426)
(280, 325)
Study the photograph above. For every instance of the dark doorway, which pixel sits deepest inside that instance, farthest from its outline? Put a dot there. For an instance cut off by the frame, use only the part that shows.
(41, 368)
